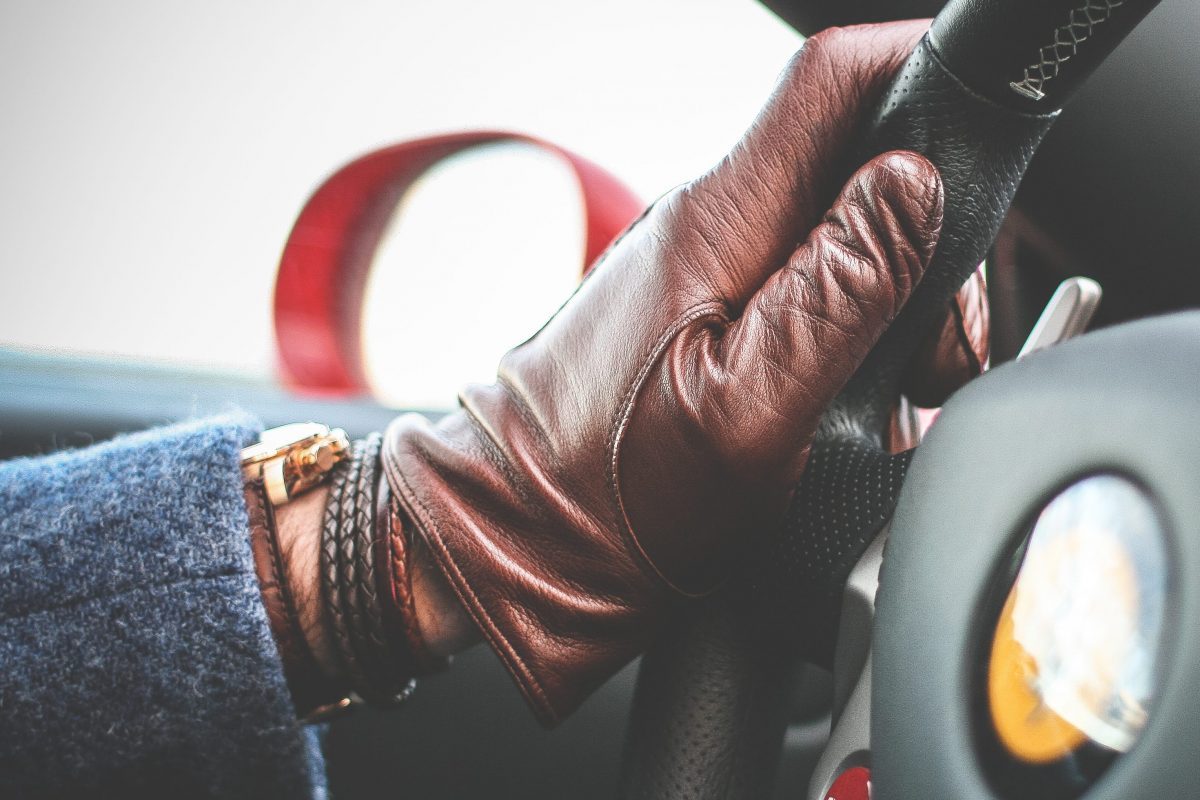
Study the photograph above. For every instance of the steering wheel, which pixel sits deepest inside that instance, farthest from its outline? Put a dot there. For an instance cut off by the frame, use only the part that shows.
(976, 97)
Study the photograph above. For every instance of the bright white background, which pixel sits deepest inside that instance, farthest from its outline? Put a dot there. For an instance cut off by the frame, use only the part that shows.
(155, 152)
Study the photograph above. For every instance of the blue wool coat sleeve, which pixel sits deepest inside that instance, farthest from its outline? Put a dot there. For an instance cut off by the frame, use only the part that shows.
(135, 654)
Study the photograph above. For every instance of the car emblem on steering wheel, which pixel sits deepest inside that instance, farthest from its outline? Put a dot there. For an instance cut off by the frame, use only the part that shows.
(1074, 653)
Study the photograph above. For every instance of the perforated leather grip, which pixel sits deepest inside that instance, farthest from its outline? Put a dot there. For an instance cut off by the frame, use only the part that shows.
(707, 720)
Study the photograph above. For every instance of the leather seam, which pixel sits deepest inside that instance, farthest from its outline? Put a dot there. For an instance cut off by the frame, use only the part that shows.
(936, 57)
(708, 308)
(423, 519)
(532, 423)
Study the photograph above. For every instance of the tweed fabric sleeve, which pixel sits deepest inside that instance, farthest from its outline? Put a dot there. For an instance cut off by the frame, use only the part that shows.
(135, 654)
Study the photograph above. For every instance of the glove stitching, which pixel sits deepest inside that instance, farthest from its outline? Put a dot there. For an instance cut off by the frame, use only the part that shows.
(422, 517)
(708, 308)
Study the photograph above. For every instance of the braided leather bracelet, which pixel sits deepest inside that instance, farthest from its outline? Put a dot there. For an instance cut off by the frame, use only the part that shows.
(359, 598)
(331, 536)
(396, 549)
(386, 683)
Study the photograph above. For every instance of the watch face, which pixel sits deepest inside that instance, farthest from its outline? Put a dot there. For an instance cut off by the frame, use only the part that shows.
(1073, 659)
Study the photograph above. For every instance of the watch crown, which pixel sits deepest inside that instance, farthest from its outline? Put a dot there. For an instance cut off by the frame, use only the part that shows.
(294, 458)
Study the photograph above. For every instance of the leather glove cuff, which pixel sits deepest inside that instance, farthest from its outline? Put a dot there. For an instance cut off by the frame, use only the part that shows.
(559, 599)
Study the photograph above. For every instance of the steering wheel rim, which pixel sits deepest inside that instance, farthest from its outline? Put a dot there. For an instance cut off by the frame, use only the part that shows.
(956, 102)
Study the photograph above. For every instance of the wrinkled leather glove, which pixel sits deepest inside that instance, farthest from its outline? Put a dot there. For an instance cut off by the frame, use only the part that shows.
(633, 448)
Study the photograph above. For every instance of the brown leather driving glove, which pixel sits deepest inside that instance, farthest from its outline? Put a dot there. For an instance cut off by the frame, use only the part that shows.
(633, 448)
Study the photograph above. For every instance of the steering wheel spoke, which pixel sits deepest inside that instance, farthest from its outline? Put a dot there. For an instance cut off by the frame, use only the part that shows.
(849, 742)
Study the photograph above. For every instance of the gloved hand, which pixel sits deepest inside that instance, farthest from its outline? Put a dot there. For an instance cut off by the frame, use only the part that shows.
(631, 450)
(956, 352)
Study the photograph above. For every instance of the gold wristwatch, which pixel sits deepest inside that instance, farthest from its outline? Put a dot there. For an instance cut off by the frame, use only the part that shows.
(292, 459)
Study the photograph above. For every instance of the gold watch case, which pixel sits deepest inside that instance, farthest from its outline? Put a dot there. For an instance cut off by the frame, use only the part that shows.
(291, 459)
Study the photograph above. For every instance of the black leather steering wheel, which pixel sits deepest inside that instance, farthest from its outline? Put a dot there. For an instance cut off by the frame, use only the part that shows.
(976, 97)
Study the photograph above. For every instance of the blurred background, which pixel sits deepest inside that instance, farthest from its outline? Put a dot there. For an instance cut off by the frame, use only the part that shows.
(156, 153)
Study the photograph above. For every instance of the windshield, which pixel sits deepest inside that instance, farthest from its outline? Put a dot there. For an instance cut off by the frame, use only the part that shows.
(157, 153)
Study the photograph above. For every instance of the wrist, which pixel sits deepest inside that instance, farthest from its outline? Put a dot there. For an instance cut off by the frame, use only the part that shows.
(443, 620)
(432, 623)
(279, 554)
(300, 542)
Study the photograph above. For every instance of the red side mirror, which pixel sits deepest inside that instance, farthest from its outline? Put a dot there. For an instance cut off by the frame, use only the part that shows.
(323, 271)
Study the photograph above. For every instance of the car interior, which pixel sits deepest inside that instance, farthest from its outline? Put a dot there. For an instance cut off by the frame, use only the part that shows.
(718, 710)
